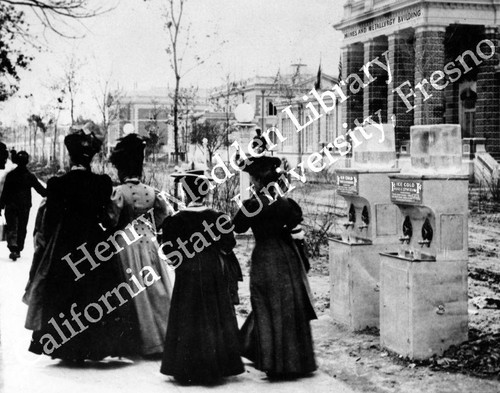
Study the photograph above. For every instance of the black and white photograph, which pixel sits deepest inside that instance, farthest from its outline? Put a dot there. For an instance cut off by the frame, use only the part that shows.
(250, 196)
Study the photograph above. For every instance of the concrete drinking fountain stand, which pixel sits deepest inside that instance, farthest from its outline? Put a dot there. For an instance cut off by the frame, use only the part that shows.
(423, 282)
(371, 228)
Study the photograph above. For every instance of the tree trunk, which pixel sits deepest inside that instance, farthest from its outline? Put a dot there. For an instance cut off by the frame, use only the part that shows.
(176, 116)
(34, 142)
(72, 110)
(54, 145)
(43, 147)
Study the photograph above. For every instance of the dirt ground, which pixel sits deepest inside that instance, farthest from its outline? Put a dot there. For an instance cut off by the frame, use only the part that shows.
(358, 360)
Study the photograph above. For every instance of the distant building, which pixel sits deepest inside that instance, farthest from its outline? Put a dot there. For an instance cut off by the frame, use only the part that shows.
(268, 95)
(151, 111)
(319, 133)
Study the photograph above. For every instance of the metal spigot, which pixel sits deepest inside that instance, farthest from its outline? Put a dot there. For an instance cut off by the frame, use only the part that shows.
(426, 241)
(348, 224)
(405, 239)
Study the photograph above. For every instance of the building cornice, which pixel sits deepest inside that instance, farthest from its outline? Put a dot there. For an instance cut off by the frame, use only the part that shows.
(383, 9)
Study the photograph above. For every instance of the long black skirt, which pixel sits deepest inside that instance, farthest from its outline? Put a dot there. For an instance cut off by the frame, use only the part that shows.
(277, 335)
(202, 343)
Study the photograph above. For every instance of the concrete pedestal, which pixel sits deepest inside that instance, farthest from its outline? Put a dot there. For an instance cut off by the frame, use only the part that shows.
(354, 283)
(423, 306)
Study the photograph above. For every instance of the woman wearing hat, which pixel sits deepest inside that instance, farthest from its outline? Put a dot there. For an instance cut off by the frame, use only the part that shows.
(62, 305)
(202, 336)
(139, 205)
(277, 334)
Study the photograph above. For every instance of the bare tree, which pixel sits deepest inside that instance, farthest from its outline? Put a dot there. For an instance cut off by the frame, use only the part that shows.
(56, 107)
(54, 14)
(187, 102)
(173, 17)
(108, 102)
(71, 82)
(15, 34)
(180, 40)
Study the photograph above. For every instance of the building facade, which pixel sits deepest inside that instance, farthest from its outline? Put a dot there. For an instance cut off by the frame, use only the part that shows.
(269, 95)
(259, 91)
(423, 62)
(314, 137)
(151, 111)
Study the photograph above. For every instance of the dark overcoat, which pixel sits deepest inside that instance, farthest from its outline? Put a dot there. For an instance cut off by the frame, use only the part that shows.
(74, 212)
(202, 335)
(277, 334)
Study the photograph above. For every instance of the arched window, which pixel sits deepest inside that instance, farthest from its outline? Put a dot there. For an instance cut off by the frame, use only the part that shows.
(468, 98)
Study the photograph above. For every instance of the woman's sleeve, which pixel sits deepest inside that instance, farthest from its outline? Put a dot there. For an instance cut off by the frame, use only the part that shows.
(168, 228)
(169, 248)
(160, 210)
(114, 208)
(293, 214)
(53, 210)
(241, 220)
(227, 241)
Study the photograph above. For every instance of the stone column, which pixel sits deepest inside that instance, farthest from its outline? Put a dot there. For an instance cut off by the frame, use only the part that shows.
(429, 57)
(488, 96)
(402, 61)
(375, 94)
(352, 61)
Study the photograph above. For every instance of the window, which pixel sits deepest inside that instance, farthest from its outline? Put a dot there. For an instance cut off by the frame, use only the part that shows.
(271, 109)
(309, 134)
(467, 115)
(288, 130)
(468, 124)
(329, 128)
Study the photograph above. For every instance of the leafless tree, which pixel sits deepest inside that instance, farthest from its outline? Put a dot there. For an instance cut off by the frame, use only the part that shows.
(180, 41)
(108, 100)
(55, 14)
(187, 103)
(17, 42)
(55, 107)
(71, 81)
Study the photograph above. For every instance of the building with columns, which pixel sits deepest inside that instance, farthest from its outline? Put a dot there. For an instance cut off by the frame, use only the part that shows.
(424, 62)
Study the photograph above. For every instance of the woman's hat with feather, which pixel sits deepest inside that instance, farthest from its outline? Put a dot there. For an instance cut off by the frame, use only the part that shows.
(82, 143)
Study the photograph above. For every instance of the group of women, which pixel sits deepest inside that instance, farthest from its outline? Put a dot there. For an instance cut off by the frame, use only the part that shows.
(186, 315)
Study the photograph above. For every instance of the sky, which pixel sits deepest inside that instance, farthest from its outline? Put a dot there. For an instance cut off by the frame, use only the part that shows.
(242, 38)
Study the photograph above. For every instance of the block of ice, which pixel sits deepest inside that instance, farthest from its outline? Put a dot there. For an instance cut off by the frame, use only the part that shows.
(436, 148)
(377, 147)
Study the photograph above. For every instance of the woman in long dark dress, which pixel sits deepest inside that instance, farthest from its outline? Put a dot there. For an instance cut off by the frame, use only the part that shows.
(202, 343)
(63, 303)
(135, 203)
(278, 333)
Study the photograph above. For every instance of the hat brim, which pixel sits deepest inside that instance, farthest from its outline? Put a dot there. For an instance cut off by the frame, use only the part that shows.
(190, 175)
(261, 164)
